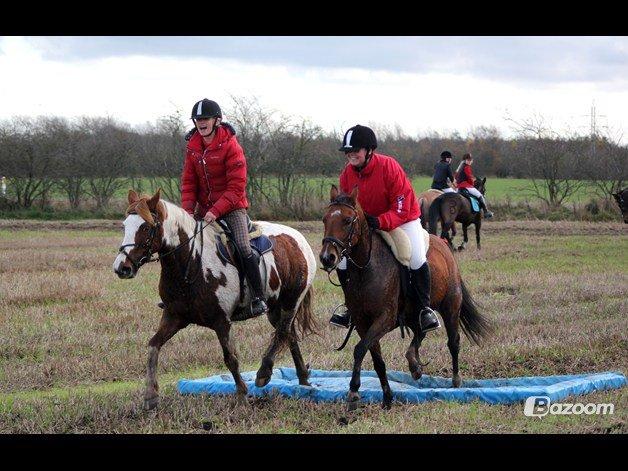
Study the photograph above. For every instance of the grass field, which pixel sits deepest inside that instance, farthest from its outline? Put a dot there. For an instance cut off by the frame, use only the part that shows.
(73, 342)
(498, 189)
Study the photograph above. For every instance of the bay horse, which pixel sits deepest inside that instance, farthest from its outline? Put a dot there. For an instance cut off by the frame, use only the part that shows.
(450, 208)
(213, 298)
(622, 201)
(375, 297)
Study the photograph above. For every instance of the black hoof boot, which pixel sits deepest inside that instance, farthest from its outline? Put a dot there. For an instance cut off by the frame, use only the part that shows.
(428, 320)
(342, 319)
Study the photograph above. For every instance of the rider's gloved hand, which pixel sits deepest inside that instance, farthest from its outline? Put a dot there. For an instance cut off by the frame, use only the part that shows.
(372, 221)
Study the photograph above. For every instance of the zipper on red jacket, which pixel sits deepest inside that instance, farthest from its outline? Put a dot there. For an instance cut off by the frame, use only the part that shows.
(209, 189)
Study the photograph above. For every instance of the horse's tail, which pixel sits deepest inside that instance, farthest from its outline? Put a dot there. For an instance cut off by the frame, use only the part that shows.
(434, 214)
(304, 319)
(476, 326)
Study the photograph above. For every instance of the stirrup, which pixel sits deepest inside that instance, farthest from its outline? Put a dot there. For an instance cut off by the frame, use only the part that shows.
(432, 326)
(340, 320)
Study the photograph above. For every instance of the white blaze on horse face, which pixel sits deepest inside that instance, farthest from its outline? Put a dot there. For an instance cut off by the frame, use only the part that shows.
(131, 225)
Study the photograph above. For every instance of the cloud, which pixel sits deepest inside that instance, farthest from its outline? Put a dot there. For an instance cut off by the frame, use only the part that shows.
(539, 60)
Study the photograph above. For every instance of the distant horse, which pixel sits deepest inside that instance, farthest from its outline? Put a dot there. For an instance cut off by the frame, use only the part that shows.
(375, 297)
(426, 199)
(622, 200)
(213, 298)
(453, 207)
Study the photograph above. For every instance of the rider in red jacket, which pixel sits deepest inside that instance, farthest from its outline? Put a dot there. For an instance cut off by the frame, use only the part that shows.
(214, 178)
(388, 200)
(465, 179)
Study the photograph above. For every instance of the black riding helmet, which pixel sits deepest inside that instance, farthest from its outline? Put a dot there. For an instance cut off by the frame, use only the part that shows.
(206, 109)
(358, 137)
(445, 155)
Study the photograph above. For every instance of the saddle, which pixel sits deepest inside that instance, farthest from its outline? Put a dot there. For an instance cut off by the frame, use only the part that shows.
(475, 204)
(399, 244)
(227, 249)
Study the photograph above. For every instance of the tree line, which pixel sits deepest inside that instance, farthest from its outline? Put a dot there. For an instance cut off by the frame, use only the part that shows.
(93, 158)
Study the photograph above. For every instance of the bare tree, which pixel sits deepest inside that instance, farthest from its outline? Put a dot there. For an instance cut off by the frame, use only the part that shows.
(608, 164)
(549, 159)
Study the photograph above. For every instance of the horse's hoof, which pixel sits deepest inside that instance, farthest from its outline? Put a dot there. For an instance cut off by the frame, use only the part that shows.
(352, 406)
(387, 404)
(262, 381)
(456, 381)
(305, 383)
(416, 374)
(151, 403)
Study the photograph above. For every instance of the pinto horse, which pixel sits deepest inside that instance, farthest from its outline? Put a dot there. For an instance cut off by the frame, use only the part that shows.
(213, 298)
(375, 297)
(450, 208)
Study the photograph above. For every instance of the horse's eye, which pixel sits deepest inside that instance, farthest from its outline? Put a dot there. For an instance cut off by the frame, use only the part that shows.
(347, 221)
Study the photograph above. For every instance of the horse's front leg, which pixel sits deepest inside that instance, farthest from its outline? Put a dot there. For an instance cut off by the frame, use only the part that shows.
(380, 369)
(373, 334)
(168, 326)
(478, 224)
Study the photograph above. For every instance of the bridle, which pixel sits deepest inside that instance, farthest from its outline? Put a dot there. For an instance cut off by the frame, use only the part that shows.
(146, 245)
(147, 256)
(347, 244)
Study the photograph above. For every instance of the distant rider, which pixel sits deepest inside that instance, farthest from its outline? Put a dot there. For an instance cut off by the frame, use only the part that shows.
(465, 179)
(443, 176)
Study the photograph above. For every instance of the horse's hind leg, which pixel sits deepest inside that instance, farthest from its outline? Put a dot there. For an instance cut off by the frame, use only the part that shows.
(168, 326)
(478, 225)
(465, 237)
(280, 337)
(380, 369)
(453, 342)
(223, 330)
(302, 372)
(412, 354)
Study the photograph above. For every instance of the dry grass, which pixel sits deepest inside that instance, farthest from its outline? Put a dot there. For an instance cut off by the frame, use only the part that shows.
(557, 292)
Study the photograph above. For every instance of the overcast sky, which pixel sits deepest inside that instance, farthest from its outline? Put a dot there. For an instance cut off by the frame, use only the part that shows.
(423, 84)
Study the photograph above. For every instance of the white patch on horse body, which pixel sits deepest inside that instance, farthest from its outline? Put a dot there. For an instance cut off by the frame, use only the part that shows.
(131, 225)
(178, 218)
(269, 228)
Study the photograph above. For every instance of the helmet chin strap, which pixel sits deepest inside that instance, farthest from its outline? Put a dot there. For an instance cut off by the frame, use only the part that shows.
(369, 154)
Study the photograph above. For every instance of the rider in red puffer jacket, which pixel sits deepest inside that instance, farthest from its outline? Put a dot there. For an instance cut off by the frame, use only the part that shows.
(388, 200)
(214, 178)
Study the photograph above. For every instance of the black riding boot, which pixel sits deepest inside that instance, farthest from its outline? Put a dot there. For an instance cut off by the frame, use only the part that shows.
(251, 270)
(342, 319)
(420, 284)
(487, 214)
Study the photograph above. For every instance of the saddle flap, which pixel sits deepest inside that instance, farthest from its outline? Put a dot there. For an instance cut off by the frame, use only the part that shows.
(259, 242)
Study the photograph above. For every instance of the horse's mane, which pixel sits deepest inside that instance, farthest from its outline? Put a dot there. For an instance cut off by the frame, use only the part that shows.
(177, 219)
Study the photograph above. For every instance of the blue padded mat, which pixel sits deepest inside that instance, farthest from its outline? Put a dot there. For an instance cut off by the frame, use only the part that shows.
(330, 386)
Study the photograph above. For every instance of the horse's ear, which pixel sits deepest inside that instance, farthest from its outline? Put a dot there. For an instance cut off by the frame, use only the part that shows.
(162, 212)
(333, 193)
(354, 194)
(144, 212)
(152, 203)
(484, 180)
(133, 197)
